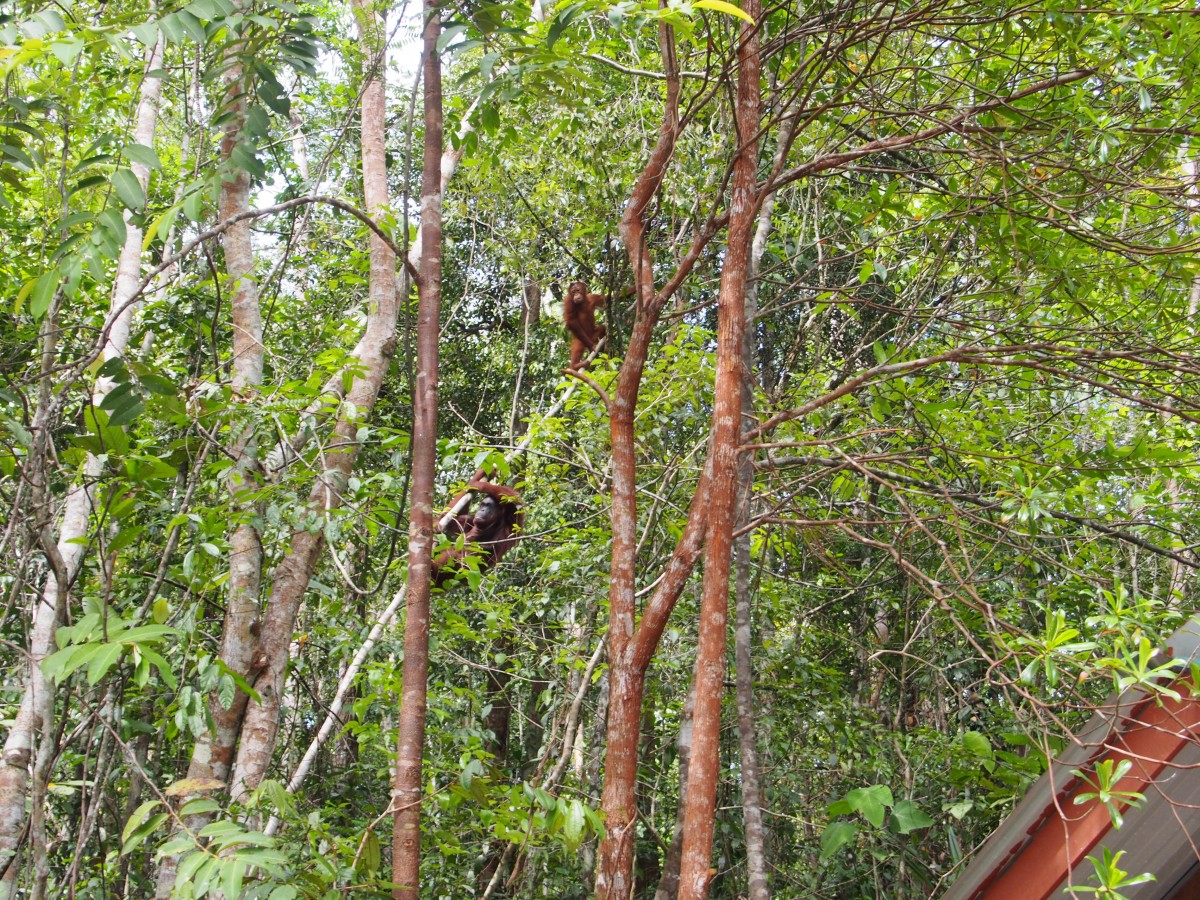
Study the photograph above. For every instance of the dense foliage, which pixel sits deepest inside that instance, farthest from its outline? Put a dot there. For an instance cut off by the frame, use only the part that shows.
(974, 418)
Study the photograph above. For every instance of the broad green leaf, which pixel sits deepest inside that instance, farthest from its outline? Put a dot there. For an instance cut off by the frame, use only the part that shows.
(372, 855)
(127, 414)
(233, 871)
(908, 817)
(199, 806)
(141, 832)
(836, 836)
(140, 153)
(43, 293)
(137, 817)
(871, 802)
(573, 822)
(128, 189)
(103, 660)
(164, 669)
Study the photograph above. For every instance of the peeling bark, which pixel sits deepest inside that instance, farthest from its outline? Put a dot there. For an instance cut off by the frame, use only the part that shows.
(703, 768)
(614, 859)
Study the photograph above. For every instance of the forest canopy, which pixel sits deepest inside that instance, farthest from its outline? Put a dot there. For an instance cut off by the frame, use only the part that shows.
(620, 449)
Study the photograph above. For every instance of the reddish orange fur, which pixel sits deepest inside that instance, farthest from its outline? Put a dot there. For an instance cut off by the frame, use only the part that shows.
(579, 316)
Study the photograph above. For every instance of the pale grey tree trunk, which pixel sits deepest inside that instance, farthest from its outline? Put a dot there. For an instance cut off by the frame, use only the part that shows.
(35, 718)
(752, 817)
(374, 352)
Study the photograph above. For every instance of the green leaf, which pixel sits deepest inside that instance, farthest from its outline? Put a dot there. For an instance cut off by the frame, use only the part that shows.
(141, 832)
(164, 670)
(140, 153)
(146, 33)
(871, 802)
(127, 414)
(573, 822)
(562, 20)
(188, 866)
(66, 49)
(103, 660)
(226, 692)
(908, 817)
(372, 854)
(193, 205)
(128, 189)
(836, 836)
(144, 633)
(136, 819)
(232, 874)
(192, 26)
(199, 806)
(979, 746)
(721, 6)
(59, 665)
(448, 35)
(43, 293)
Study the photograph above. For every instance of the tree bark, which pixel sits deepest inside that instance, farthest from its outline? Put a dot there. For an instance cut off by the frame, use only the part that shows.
(212, 754)
(703, 768)
(668, 885)
(261, 724)
(614, 859)
(35, 717)
(406, 796)
(756, 868)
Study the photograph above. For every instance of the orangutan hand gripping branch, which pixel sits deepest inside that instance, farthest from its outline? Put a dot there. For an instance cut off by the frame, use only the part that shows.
(579, 315)
(488, 532)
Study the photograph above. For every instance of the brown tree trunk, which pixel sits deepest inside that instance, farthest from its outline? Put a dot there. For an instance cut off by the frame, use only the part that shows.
(752, 817)
(703, 768)
(614, 859)
(261, 723)
(406, 796)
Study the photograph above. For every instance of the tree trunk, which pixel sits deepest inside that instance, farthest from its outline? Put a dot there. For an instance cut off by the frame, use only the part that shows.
(668, 885)
(35, 716)
(212, 754)
(406, 796)
(752, 817)
(261, 725)
(703, 768)
(614, 859)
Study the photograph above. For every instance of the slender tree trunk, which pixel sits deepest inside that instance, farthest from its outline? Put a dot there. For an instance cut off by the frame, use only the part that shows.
(614, 859)
(212, 754)
(668, 885)
(261, 724)
(752, 817)
(406, 797)
(35, 717)
(703, 769)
